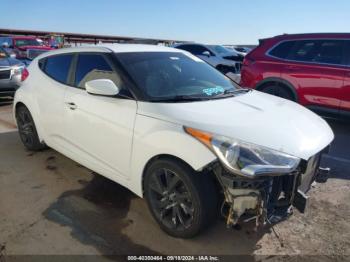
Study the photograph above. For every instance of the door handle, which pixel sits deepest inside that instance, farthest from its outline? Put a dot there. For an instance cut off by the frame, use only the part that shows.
(72, 105)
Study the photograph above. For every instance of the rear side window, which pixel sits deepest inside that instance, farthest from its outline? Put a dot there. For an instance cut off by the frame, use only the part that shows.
(282, 50)
(92, 67)
(57, 67)
(319, 51)
(347, 53)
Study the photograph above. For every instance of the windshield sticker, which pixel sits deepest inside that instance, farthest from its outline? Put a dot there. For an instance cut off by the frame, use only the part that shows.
(214, 90)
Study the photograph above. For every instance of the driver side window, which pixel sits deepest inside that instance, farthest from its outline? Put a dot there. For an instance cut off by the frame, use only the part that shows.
(91, 67)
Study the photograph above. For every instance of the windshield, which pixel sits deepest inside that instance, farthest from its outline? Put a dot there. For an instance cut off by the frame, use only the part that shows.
(27, 42)
(165, 76)
(220, 49)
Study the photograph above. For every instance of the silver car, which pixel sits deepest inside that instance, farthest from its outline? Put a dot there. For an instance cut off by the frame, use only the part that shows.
(10, 73)
(224, 59)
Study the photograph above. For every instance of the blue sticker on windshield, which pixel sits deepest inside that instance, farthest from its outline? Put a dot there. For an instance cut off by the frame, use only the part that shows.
(213, 90)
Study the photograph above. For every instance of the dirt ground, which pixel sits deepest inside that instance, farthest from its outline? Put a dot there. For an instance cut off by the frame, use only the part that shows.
(50, 205)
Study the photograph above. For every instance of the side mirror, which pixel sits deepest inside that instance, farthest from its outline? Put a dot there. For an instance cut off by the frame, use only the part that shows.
(206, 53)
(103, 87)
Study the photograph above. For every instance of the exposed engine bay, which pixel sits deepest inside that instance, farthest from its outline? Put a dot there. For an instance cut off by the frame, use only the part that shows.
(268, 199)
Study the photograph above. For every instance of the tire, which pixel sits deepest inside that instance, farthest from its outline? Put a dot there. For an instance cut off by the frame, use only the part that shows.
(182, 201)
(278, 90)
(27, 130)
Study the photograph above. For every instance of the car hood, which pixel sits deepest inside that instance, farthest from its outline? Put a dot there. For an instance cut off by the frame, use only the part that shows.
(7, 62)
(254, 117)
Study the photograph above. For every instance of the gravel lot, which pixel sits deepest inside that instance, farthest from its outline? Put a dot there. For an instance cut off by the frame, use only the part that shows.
(51, 205)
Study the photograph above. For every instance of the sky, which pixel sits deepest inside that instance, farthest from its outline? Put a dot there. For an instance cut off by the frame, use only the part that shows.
(205, 21)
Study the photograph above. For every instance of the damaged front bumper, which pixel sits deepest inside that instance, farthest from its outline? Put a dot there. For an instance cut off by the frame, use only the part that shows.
(267, 199)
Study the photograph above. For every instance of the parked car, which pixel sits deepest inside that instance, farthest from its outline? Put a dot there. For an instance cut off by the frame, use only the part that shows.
(311, 69)
(173, 129)
(11, 71)
(220, 57)
(242, 50)
(239, 49)
(25, 48)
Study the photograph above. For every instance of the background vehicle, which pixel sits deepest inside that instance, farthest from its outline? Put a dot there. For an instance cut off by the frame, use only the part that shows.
(220, 57)
(25, 48)
(11, 71)
(174, 130)
(242, 50)
(312, 69)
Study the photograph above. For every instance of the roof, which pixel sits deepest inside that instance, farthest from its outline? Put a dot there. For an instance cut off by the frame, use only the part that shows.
(116, 48)
(78, 36)
(314, 35)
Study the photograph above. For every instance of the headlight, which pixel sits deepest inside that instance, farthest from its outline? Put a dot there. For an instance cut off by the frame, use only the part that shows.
(244, 158)
(18, 70)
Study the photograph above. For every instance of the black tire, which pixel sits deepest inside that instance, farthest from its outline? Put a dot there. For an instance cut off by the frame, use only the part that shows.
(185, 202)
(27, 130)
(278, 90)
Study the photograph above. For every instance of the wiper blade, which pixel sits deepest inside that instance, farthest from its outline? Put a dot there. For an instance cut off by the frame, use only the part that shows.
(181, 98)
(232, 92)
(237, 91)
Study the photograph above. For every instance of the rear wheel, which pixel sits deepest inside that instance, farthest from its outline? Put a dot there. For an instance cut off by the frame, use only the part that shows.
(181, 201)
(278, 90)
(27, 130)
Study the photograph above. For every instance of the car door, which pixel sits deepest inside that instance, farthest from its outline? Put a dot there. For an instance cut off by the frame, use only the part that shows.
(315, 68)
(345, 90)
(50, 89)
(99, 129)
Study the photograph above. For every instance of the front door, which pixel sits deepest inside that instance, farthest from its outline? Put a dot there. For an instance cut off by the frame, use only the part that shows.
(99, 129)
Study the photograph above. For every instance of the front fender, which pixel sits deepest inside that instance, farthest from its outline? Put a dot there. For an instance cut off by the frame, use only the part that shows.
(153, 137)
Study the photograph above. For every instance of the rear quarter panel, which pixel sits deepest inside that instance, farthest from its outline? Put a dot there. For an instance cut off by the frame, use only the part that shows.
(259, 66)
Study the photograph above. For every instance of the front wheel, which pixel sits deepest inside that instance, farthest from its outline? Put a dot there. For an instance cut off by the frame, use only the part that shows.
(182, 201)
(27, 130)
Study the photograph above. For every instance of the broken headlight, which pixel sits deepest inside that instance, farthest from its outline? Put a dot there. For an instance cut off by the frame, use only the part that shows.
(244, 158)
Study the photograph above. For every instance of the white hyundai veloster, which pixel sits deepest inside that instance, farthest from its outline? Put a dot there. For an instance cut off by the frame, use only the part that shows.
(174, 130)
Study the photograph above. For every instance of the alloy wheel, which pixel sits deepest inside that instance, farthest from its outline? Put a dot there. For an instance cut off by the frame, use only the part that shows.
(170, 199)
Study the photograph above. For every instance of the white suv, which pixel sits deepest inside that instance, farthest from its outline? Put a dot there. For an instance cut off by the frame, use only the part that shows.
(174, 130)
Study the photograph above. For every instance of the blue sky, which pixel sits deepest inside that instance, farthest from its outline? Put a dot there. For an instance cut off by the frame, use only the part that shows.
(207, 21)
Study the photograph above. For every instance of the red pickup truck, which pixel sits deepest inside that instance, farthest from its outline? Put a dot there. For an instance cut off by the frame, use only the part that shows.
(24, 47)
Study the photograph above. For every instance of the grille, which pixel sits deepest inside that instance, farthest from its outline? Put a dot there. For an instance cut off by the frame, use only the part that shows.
(5, 74)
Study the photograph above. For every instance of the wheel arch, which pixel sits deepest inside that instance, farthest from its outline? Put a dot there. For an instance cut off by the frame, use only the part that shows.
(162, 157)
(22, 102)
(280, 82)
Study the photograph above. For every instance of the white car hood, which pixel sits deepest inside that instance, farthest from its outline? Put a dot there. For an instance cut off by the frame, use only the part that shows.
(253, 117)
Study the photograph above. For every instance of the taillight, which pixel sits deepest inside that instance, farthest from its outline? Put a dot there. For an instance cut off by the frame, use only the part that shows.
(25, 74)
